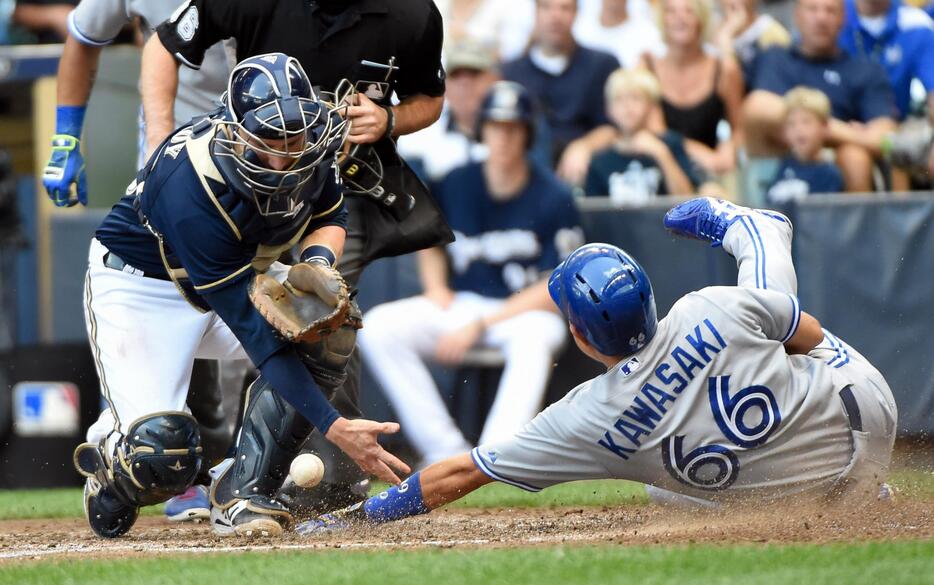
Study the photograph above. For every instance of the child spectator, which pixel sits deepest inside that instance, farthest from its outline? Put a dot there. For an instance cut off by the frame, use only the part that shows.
(807, 115)
(640, 164)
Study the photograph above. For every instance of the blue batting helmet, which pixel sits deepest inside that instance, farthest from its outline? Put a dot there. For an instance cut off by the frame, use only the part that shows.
(271, 110)
(608, 298)
(507, 101)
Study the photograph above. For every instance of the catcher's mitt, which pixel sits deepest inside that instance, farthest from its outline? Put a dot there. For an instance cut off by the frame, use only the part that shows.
(311, 304)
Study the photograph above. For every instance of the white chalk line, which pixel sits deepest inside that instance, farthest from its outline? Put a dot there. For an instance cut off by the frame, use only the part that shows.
(34, 552)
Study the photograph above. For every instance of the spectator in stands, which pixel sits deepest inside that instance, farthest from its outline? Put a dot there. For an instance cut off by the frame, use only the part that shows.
(901, 39)
(624, 28)
(861, 100)
(641, 164)
(505, 26)
(699, 90)
(47, 19)
(744, 33)
(807, 113)
(450, 142)
(564, 76)
(514, 222)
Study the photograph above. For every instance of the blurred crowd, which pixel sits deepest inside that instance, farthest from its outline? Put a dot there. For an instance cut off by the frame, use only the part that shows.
(638, 100)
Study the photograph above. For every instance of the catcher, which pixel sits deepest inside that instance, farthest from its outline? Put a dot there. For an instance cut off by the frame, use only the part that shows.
(184, 267)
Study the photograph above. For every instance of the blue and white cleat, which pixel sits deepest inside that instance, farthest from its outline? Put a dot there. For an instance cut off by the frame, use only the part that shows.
(192, 505)
(707, 218)
(336, 521)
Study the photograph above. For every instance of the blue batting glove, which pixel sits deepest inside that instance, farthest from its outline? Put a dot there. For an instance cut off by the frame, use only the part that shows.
(65, 166)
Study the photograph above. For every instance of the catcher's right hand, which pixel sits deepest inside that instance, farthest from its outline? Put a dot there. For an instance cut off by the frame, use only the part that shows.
(311, 304)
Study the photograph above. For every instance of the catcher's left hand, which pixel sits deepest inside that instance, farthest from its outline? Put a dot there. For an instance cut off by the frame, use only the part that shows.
(311, 304)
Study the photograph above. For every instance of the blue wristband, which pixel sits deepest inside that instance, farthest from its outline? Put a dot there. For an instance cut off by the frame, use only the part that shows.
(69, 120)
(399, 501)
(318, 253)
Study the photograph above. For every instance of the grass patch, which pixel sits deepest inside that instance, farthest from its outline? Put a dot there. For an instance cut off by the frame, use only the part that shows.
(914, 484)
(48, 503)
(577, 493)
(892, 563)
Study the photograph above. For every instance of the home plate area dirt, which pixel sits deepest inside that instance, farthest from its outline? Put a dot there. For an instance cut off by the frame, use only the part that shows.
(627, 525)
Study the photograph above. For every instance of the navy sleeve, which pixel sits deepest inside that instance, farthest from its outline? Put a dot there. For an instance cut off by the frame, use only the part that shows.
(275, 357)
(876, 99)
(769, 72)
(291, 379)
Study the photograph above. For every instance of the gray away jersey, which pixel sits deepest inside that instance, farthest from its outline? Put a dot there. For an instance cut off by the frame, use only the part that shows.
(97, 22)
(713, 406)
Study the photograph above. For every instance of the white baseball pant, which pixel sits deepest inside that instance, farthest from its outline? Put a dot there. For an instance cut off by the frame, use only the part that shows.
(144, 337)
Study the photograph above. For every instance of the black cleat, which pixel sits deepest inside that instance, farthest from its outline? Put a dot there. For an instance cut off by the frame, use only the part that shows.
(107, 516)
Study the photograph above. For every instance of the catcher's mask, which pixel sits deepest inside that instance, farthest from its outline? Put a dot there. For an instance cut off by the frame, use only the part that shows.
(275, 133)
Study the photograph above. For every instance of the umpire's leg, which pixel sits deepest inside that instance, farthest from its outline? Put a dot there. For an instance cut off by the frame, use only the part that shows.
(341, 474)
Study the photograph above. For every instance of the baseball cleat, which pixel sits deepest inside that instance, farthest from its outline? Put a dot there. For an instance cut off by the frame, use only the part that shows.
(887, 493)
(107, 515)
(324, 497)
(334, 521)
(192, 505)
(707, 218)
(253, 517)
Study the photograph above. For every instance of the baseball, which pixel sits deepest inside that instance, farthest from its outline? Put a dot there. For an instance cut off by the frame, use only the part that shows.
(306, 470)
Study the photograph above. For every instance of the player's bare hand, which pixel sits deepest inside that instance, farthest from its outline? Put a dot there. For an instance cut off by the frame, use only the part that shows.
(358, 439)
(441, 296)
(574, 163)
(368, 120)
(452, 346)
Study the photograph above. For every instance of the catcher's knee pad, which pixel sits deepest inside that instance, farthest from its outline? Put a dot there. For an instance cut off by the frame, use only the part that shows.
(159, 457)
(271, 435)
(328, 357)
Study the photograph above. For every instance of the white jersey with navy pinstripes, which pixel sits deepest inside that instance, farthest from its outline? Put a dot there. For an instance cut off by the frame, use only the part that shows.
(712, 406)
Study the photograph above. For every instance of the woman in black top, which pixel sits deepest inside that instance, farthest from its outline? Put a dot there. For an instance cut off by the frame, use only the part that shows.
(698, 89)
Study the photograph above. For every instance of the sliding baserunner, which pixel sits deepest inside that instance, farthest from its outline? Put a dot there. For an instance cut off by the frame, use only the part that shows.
(736, 394)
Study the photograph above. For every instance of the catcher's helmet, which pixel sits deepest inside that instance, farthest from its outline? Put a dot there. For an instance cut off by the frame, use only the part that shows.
(507, 101)
(607, 296)
(271, 110)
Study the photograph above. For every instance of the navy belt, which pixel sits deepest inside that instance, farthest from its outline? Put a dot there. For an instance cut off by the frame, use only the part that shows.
(851, 408)
(115, 262)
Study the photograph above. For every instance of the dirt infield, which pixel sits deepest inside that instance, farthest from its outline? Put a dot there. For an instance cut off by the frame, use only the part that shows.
(637, 525)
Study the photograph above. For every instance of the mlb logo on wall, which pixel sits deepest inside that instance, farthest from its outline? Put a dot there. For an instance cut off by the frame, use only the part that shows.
(45, 408)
